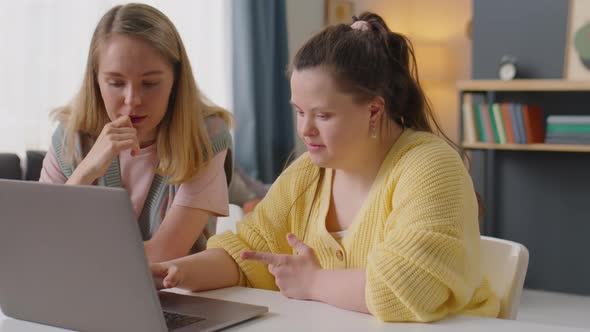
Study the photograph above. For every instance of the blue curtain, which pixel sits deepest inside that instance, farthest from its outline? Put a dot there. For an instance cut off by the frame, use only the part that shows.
(264, 134)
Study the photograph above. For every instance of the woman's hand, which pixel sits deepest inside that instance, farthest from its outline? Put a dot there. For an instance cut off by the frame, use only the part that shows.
(294, 274)
(115, 137)
(166, 275)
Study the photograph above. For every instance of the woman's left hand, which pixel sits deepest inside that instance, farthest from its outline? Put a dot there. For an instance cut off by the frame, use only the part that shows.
(294, 274)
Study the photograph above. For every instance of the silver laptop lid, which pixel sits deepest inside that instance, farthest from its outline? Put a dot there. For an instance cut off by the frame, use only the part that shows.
(68, 253)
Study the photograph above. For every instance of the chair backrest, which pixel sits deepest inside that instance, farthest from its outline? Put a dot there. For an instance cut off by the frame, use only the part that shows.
(504, 263)
(10, 167)
(34, 164)
(229, 223)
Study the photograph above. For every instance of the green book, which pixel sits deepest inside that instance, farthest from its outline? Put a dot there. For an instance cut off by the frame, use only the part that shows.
(500, 123)
(496, 138)
(479, 121)
(557, 128)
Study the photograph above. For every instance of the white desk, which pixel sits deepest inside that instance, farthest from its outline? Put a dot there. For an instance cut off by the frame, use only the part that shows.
(291, 315)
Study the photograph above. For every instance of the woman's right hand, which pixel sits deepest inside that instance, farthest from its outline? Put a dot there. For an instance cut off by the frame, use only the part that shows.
(115, 137)
(166, 275)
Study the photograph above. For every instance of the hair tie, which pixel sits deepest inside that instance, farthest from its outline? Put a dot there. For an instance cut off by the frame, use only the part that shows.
(360, 25)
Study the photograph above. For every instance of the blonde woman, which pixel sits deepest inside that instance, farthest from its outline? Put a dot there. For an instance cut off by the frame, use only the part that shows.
(139, 122)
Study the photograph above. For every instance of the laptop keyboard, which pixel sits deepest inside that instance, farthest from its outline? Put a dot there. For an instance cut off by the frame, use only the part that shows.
(175, 321)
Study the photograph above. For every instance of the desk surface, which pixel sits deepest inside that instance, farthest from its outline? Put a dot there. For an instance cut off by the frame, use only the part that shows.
(292, 315)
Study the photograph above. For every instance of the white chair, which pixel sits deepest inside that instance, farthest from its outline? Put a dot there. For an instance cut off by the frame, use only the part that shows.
(505, 263)
(229, 223)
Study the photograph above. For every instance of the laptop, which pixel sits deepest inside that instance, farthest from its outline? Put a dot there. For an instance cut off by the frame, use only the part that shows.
(73, 257)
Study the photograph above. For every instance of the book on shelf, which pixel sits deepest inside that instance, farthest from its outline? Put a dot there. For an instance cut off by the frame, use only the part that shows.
(520, 124)
(569, 119)
(487, 123)
(533, 122)
(497, 111)
(500, 123)
(568, 129)
(469, 129)
(495, 125)
(514, 122)
(507, 119)
(481, 129)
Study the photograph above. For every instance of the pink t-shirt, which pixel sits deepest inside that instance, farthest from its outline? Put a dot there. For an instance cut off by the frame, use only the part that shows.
(207, 191)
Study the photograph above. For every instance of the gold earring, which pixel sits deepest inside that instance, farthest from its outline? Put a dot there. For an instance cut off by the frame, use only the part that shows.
(373, 132)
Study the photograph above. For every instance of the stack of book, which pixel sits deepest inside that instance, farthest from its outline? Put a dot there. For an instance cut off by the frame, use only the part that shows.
(501, 123)
(568, 129)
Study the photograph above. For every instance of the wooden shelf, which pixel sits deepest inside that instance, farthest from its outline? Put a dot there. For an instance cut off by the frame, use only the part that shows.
(528, 147)
(523, 85)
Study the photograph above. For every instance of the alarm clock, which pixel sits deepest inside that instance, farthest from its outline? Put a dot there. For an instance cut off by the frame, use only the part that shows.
(507, 68)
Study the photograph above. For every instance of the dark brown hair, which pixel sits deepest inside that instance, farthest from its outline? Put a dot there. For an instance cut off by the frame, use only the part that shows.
(373, 62)
(370, 63)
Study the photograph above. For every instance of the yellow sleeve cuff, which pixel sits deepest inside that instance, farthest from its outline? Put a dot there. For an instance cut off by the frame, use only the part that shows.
(252, 274)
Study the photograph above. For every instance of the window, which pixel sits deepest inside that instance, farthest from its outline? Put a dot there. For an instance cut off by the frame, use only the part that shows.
(44, 50)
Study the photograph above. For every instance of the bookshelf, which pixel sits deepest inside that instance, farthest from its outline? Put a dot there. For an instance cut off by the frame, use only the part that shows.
(490, 87)
(527, 147)
(522, 85)
(493, 158)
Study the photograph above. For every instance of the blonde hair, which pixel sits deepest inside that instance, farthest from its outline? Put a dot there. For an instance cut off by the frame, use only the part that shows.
(182, 141)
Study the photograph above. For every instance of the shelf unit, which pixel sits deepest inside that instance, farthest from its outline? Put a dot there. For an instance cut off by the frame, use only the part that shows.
(522, 85)
(492, 86)
(528, 147)
(489, 150)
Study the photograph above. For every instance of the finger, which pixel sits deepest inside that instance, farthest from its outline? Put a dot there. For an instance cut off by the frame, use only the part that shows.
(122, 121)
(158, 283)
(261, 257)
(157, 270)
(173, 278)
(135, 148)
(284, 292)
(109, 130)
(158, 274)
(127, 144)
(297, 244)
(123, 130)
(123, 136)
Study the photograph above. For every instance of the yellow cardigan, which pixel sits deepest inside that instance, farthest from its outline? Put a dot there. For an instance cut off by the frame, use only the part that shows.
(416, 234)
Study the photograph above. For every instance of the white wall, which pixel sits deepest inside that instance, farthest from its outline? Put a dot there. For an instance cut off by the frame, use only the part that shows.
(441, 22)
(304, 19)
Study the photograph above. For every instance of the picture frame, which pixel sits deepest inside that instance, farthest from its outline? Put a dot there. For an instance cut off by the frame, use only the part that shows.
(338, 12)
(577, 52)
